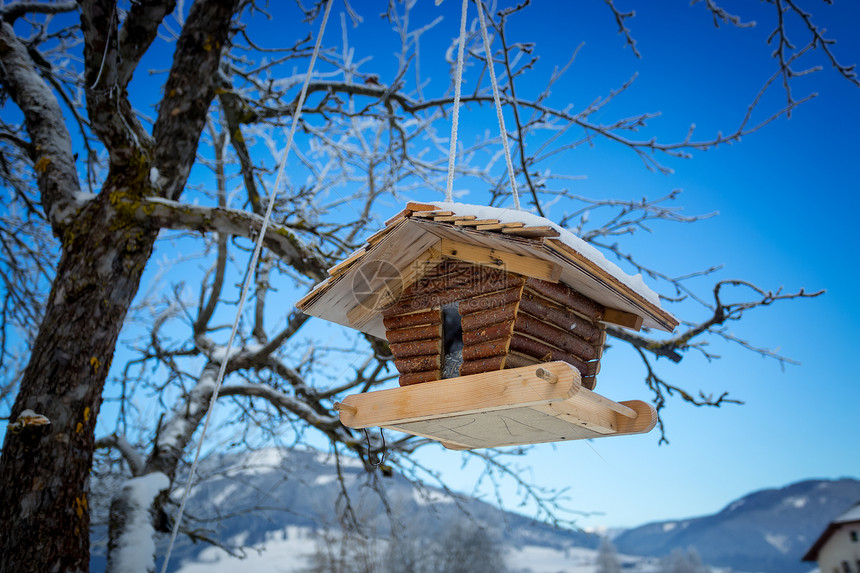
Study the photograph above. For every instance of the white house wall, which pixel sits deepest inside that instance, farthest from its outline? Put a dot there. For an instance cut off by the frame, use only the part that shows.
(841, 547)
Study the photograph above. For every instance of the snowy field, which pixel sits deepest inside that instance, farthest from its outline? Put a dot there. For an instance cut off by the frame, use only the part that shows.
(285, 552)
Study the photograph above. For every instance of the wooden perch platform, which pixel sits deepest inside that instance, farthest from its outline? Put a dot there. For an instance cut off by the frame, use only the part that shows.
(527, 405)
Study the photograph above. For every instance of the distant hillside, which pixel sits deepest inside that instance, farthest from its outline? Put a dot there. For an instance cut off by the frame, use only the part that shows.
(766, 531)
(265, 496)
(274, 500)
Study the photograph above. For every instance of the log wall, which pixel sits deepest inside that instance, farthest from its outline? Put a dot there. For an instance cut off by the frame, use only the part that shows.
(488, 307)
(508, 321)
(415, 339)
(555, 322)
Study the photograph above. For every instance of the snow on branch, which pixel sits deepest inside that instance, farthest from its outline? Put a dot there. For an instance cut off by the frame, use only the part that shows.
(15, 10)
(175, 433)
(129, 452)
(133, 551)
(282, 241)
(49, 137)
(283, 401)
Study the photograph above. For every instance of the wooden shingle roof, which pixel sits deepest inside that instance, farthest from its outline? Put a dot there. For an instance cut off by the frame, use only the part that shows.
(419, 236)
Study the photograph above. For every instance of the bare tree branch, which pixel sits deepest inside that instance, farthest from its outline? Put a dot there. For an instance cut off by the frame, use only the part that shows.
(110, 112)
(368, 139)
(129, 453)
(137, 33)
(14, 10)
(188, 92)
(49, 137)
(282, 241)
(620, 18)
(720, 14)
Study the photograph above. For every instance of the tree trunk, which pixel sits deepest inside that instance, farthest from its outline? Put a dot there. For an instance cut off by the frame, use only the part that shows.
(44, 517)
(44, 468)
(131, 535)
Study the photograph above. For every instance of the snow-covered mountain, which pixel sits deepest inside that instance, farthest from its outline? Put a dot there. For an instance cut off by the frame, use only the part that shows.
(280, 498)
(279, 503)
(768, 530)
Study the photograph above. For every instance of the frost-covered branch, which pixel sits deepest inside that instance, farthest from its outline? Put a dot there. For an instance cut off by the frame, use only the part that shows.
(614, 131)
(282, 401)
(235, 115)
(50, 141)
(722, 312)
(522, 131)
(663, 390)
(207, 308)
(848, 71)
(175, 432)
(14, 10)
(620, 20)
(132, 550)
(498, 467)
(695, 337)
(129, 453)
(282, 241)
(720, 14)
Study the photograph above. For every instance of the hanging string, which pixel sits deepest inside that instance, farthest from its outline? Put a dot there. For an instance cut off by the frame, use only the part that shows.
(107, 46)
(489, 54)
(381, 457)
(247, 283)
(455, 115)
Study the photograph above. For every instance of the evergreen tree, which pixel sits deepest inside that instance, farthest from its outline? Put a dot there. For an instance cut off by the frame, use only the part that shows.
(683, 562)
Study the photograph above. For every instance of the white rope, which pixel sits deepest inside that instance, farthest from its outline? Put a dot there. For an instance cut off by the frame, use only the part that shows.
(246, 286)
(107, 46)
(489, 54)
(455, 115)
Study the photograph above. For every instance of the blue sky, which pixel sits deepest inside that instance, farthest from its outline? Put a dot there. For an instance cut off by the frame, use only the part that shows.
(786, 197)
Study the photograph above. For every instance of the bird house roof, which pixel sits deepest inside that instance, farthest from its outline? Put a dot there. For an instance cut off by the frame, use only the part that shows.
(417, 238)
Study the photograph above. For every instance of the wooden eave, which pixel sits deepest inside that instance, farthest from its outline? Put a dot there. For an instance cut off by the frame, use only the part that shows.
(425, 234)
(832, 527)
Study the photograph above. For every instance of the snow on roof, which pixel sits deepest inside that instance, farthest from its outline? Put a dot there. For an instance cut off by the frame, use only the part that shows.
(849, 516)
(408, 236)
(635, 282)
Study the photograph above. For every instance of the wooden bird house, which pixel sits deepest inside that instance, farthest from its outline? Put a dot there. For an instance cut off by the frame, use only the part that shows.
(472, 298)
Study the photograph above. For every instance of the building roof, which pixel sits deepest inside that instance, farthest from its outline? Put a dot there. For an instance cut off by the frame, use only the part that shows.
(850, 516)
(371, 278)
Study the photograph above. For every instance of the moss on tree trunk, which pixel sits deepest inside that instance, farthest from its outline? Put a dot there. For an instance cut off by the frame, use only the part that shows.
(45, 468)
